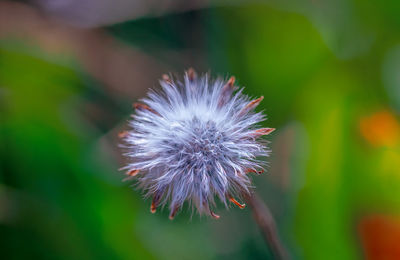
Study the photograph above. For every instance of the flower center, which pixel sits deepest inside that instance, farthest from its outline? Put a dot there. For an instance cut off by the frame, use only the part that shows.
(202, 147)
(206, 143)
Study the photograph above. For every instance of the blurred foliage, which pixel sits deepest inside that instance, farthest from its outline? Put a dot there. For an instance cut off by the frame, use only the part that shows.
(329, 75)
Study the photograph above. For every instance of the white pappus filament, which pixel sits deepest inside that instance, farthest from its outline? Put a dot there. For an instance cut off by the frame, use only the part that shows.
(194, 141)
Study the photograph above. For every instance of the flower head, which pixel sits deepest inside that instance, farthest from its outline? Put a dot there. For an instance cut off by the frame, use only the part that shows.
(194, 141)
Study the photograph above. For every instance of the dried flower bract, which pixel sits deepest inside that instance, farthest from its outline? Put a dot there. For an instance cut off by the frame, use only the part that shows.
(194, 141)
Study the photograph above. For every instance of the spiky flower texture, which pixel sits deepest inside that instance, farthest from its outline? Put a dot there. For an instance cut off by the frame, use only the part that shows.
(194, 141)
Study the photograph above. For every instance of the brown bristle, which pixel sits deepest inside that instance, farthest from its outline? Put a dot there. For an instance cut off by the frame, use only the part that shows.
(263, 131)
(250, 106)
(154, 205)
(214, 215)
(123, 134)
(231, 81)
(155, 202)
(166, 78)
(191, 74)
(226, 92)
(251, 171)
(140, 106)
(173, 213)
(254, 171)
(241, 206)
(153, 208)
(131, 174)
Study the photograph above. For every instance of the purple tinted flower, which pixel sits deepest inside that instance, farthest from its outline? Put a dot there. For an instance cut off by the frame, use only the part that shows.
(194, 141)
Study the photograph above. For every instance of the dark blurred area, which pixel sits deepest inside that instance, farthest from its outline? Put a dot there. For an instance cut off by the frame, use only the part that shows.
(70, 71)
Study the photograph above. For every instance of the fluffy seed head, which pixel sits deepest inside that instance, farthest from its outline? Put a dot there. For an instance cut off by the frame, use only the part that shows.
(194, 141)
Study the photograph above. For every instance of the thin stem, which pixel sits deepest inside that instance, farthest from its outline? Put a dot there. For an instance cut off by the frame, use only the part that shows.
(266, 222)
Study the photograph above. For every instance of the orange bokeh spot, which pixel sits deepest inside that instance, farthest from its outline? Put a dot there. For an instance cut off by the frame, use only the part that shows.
(380, 237)
(380, 129)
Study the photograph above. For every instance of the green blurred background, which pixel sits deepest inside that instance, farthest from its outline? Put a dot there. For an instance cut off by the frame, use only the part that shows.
(329, 72)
